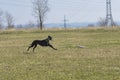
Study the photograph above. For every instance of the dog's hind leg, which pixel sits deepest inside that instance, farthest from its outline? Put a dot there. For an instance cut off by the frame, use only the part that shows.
(30, 46)
(34, 47)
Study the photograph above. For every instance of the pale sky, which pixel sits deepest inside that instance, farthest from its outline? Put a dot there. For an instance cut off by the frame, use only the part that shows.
(75, 10)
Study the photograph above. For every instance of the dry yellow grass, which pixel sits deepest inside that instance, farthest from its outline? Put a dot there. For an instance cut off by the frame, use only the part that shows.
(99, 60)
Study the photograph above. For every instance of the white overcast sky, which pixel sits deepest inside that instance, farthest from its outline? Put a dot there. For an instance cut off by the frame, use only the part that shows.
(75, 10)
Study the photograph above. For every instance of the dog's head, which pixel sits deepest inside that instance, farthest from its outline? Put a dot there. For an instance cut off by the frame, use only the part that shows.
(49, 37)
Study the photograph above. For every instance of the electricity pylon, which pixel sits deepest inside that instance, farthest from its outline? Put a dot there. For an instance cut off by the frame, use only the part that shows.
(109, 19)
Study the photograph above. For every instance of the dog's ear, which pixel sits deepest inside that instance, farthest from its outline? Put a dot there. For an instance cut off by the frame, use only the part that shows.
(50, 38)
(48, 35)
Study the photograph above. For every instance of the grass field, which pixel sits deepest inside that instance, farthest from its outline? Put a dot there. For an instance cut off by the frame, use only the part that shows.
(99, 60)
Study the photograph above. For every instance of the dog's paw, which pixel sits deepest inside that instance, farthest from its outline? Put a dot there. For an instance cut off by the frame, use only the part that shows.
(56, 49)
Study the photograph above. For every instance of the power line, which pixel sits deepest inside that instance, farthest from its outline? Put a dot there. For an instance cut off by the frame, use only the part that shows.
(66, 3)
(80, 3)
(14, 3)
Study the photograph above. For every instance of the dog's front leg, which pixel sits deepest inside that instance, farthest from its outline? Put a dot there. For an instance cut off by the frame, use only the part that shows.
(52, 47)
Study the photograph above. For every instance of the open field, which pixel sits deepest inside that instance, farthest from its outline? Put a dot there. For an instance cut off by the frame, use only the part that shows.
(99, 60)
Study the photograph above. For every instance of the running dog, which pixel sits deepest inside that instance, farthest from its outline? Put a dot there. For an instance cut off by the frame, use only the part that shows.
(43, 43)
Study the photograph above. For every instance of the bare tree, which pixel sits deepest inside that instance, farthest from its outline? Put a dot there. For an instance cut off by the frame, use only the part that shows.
(9, 20)
(30, 24)
(40, 9)
(102, 22)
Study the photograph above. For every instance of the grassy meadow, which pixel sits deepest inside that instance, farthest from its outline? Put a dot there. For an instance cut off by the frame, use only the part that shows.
(99, 60)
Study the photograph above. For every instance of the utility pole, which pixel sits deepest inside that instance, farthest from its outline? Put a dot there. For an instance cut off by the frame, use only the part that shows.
(109, 19)
(65, 22)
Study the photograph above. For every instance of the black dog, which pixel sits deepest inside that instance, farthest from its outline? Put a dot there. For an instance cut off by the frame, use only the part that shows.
(44, 42)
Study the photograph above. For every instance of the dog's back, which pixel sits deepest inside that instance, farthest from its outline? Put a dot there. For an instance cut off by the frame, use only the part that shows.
(35, 42)
(44, 42)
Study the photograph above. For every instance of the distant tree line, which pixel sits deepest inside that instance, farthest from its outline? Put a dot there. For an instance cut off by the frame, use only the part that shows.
(102, 23)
